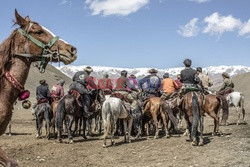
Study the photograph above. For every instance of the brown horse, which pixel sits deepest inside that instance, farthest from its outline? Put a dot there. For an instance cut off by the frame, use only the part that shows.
(212, 105)
(191, 106)
(155, 107)
(29, 43)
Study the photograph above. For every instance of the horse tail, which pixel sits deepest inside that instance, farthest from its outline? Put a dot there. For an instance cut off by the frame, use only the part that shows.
(47, 113)
(164, 107)
(60, 114)
(242, 99)
(196, 114)
(225, 110)
(106, 117)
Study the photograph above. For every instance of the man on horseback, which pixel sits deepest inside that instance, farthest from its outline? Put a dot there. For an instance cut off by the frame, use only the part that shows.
(169, 86)
(105, 84)
(205, 81)
(150, 84)
(121, 87)
(57, 91)
(81, 80)
(227, 86)
(189, 78)
(42, 93)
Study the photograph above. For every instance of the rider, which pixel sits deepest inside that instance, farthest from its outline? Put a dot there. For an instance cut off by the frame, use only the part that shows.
(150, 84)
(80, 85)
(105, 84)
(57, 91)
(227, 86)
(169, 86)
(132, 86)
(189, 78)
(42, 93)
(178, 81)
(121, 87)
(205, 81)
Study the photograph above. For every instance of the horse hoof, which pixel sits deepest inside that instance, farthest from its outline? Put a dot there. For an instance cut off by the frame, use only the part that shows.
(156, 137)
(104, 146)
(10, 134)
(60, 141)
(194, 143)
(201, 144)
(71, 141)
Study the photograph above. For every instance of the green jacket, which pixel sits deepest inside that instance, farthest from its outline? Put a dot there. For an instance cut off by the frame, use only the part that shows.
(227, 83)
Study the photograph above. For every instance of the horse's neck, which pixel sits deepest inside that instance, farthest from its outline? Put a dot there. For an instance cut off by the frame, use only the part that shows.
(18, 68)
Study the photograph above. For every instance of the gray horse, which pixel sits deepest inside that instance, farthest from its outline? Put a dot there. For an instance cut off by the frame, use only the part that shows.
(43, 112)
(236, 100)
(112, 110)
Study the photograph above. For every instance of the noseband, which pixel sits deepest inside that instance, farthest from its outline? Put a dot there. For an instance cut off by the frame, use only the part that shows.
(47, 54)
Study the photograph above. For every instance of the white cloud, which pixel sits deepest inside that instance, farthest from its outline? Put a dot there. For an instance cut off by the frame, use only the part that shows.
(200, 1)
(245, 29)
(190, 29)
(217, 25)
(115, 7)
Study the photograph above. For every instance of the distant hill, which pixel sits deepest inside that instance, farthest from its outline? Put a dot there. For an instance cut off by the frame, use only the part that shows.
(241, 83)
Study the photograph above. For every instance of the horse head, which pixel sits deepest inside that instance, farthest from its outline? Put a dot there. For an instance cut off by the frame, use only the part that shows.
(39, 42)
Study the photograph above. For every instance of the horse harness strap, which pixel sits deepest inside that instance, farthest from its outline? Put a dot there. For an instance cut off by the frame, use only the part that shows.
(47, 53)
(13, 81)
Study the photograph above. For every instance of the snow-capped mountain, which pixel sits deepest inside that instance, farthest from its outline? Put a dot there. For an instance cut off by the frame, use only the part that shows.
(213, 71)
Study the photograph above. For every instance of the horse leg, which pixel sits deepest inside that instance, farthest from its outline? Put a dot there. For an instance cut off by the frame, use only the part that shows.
(156, 126)
(7, 161)
(39, 126)
(201, 142)
(243, 114)
(89, 123)
(216, 121)
(84, 128)
(10, 128)
(70, 123)
(163, 116)
(125, 126)
(130, 123)
(238, 112)
(100, 125)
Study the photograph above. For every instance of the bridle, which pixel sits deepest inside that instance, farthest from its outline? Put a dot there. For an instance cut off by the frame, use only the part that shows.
(46, 56)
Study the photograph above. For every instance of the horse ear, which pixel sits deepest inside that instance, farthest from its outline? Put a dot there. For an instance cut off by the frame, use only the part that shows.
(19, 20)
(27, 18)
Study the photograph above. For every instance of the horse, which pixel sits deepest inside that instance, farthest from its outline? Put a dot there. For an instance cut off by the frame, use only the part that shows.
(29, 43)
(54, 104)
(113, 108)
(236, 100)
(191, 106)
(213, 104)
(43, 112)
(154, 107)
(69, 110)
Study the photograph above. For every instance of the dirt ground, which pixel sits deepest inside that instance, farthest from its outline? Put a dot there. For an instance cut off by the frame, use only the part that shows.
(231, 149)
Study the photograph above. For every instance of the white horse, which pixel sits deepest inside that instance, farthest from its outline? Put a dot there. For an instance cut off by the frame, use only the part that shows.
(112, 109)
(236, 100)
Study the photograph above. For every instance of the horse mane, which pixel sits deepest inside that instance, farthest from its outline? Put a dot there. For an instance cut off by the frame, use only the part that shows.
(5, 52)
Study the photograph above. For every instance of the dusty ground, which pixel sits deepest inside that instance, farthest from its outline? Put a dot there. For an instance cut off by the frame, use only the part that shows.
(231, 149)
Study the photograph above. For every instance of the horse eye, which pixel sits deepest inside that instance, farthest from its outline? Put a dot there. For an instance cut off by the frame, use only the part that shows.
(39, 32)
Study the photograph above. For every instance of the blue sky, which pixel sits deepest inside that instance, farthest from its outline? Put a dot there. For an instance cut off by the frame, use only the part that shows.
(143, 33)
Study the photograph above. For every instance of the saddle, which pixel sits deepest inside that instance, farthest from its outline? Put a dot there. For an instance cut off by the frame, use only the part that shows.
(148, 97)
(119, 96)
(77, 96)
(40, 101)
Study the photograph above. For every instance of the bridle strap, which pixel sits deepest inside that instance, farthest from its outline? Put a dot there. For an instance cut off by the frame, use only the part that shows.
(46, 54)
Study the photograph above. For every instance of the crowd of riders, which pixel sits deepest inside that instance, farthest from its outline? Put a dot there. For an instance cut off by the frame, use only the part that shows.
(132, 89)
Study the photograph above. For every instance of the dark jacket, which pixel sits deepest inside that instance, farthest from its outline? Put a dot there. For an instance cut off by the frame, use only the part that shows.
(79, 87)
(42, 92)
(189, 76)
(80, 77)
(150, 83)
